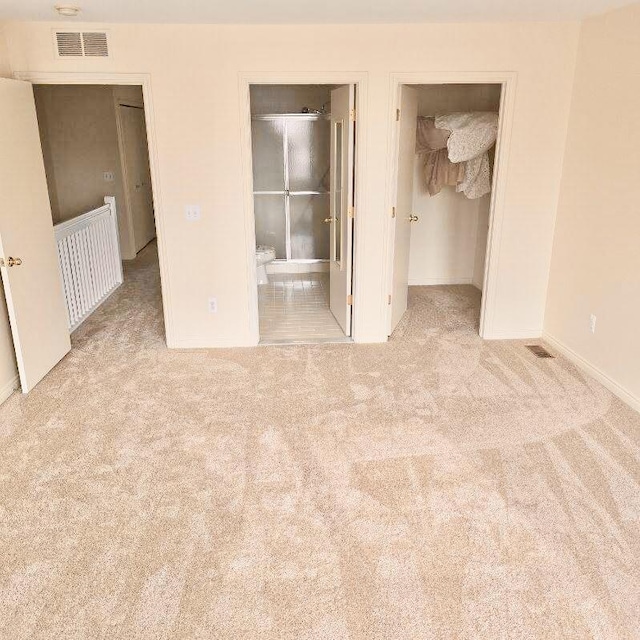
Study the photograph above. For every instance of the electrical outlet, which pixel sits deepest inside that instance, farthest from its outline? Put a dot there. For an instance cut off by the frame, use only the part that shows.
(213, 305)
(109, 176)
(592, 323)
(192, 212)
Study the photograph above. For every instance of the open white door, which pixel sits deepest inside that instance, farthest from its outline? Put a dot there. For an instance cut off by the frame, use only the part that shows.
(341, 236)
(137, 174)
(30, 270)
(404, 204)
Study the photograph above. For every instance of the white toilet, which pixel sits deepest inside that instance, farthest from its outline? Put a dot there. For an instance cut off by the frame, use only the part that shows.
(264, 255)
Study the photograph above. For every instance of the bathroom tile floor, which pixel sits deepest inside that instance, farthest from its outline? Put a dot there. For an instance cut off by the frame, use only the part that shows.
(294, 307)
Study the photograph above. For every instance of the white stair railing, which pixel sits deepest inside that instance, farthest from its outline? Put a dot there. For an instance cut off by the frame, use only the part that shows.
(90, 262)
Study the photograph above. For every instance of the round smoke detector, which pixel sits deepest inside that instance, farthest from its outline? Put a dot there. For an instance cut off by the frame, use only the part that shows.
(67, 11)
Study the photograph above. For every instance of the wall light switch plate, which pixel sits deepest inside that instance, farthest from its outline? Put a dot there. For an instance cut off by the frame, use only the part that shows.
(592, 323)
(192, 212)
(109, 176)
(213, 305)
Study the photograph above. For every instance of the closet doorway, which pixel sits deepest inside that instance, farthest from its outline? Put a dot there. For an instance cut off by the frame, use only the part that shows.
(303, 151)
(444, 178)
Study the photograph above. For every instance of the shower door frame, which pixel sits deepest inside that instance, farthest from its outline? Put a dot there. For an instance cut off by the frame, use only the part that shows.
(360, 80)
(287, 193)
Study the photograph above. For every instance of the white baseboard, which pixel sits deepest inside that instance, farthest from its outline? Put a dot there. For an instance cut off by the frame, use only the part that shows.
(199, 343)
(426, 282)
(7, 389)
(615, 388)
(517, 334)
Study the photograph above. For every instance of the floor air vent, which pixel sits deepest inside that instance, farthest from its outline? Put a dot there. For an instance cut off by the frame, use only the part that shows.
(539, 351)
(81, 44)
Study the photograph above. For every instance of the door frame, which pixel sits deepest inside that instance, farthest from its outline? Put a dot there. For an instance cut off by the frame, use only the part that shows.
(360, 80)
(143, 80)
(497, 207)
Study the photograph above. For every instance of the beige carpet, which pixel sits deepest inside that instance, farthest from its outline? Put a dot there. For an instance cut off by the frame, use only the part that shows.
(435, 487)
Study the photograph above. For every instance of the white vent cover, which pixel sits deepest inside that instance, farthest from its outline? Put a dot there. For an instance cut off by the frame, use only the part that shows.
(81, 44)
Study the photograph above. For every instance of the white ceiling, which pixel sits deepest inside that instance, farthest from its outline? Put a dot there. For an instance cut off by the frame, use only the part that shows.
(310, 11)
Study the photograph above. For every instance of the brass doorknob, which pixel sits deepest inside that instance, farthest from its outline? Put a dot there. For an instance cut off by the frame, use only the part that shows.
(10, 262)
(413, 218)
(328, 220)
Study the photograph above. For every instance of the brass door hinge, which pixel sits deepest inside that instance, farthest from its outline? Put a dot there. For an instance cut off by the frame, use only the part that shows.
(352, 115)
(352, 212)
(10, 262)
(389, 299)
(393, 212)
(350, 300)
(397, 115)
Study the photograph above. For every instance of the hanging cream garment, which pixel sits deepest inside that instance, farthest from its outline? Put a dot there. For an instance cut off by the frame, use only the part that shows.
(431, 144)
(471, 137)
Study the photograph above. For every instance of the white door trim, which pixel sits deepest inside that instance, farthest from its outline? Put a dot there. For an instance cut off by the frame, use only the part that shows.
(508, 80)
(144, 80)
(360, 80)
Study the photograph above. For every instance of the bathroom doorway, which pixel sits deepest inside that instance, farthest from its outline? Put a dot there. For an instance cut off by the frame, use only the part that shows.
(303, 150)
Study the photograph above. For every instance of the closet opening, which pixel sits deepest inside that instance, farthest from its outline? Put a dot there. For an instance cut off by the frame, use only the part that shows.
(446, 161)
(303, 148)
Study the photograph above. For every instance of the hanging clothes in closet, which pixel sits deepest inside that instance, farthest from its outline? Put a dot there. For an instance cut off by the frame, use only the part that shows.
(455, 151)
(431, 144)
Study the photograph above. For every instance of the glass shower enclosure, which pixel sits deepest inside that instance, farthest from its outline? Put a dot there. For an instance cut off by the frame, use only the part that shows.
(291, 184)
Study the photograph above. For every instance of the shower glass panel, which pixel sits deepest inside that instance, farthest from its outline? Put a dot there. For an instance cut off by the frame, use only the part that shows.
(291, 168)
(271, 222)
(308, 154)
(309, 233)
(267, 137)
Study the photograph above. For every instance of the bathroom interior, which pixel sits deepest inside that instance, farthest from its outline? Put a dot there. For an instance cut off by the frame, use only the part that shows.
(291, 151)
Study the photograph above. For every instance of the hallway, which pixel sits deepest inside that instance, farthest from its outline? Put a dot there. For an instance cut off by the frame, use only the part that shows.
(132, 317)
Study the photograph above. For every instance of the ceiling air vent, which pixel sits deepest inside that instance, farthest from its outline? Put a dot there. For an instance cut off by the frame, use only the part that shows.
(81, 44)
(68, 44)
(95, 44)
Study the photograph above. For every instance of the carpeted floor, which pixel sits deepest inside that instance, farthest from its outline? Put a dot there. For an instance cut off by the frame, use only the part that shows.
(435, 487)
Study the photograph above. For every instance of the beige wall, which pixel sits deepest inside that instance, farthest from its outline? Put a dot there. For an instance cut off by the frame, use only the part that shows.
(195, 71)
(130, 95)
(449, 240)
(8, 371)
(79, 143)
(5, 65)
(596, 254)
(481, 237)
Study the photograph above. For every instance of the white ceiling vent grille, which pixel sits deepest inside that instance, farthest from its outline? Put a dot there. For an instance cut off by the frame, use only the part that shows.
(68, 44)
(95, 44)
(81, 44)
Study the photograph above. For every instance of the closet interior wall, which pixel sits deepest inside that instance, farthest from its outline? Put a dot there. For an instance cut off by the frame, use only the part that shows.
(448, 243)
